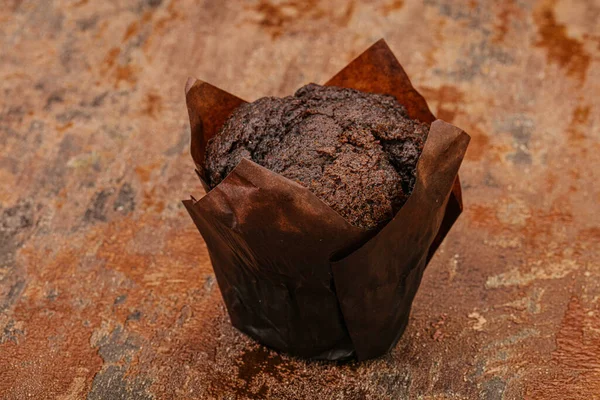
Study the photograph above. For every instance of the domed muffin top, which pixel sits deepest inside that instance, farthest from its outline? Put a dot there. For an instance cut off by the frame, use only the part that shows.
(356, 151)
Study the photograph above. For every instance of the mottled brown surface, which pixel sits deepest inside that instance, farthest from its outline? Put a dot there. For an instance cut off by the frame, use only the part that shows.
(106, 290)
(356, 151)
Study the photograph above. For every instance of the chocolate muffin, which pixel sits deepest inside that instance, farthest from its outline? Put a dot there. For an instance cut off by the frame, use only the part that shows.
(356, 151)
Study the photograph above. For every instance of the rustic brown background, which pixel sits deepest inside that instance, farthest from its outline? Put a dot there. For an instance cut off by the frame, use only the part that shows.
(106, 291)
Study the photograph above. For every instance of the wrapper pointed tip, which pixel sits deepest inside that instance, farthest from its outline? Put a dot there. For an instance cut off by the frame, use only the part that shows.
(450, 148)
(208, 109)
(189, 83)
(377, 70)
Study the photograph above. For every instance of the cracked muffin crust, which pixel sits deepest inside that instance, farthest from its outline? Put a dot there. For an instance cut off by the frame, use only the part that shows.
(356, 151)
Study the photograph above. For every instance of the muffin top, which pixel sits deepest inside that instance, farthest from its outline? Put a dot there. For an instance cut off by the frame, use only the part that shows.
(356, 151)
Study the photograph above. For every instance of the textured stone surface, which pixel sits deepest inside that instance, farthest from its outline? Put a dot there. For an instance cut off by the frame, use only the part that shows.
(106, 290)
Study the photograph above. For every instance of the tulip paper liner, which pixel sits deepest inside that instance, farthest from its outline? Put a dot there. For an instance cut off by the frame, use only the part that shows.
(294, 274)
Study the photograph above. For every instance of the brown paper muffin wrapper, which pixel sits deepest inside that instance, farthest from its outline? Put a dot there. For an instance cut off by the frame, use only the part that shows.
(294, 274)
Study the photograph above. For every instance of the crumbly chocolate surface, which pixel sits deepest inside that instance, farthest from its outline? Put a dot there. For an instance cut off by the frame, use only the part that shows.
(356, 151)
